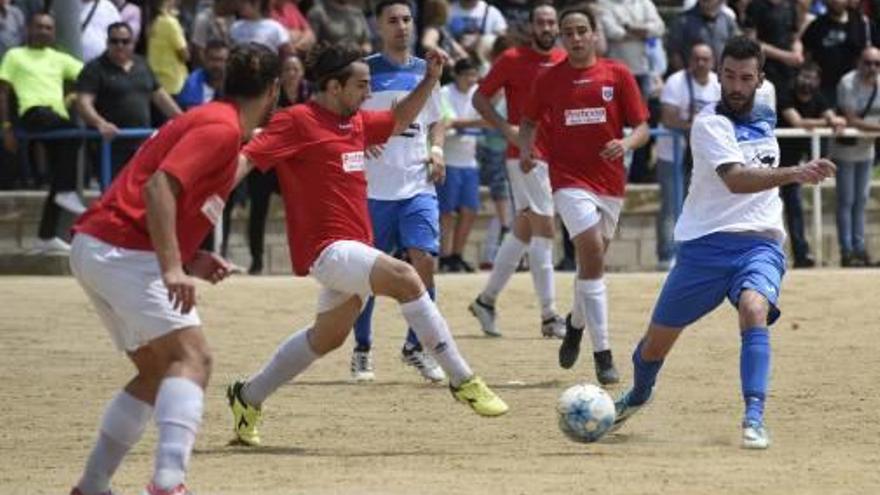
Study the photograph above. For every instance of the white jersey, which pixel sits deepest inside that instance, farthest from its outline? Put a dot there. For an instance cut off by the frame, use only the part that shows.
(689, 97)
(401, 172)
(460, 147)
(717, 139)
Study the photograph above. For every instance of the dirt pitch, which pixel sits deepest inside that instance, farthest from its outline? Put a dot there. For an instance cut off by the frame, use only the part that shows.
(399, 435)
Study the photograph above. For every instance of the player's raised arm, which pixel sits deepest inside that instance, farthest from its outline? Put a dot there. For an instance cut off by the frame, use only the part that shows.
(406, 111)
(743, 180)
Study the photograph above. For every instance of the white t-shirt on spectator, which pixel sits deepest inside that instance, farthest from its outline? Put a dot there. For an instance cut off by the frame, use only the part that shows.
(689, 103)
(460, 148)
(853, 96)
(766, 94)
(94, 36)
(471, 20)
(267, 32)
(710, 206)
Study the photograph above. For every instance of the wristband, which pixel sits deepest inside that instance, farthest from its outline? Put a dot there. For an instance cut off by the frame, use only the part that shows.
(437, 150)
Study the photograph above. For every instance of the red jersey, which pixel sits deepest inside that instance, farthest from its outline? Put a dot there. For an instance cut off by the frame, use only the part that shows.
(586, 108)
(199, 149)
(514, 71)
(319, 158)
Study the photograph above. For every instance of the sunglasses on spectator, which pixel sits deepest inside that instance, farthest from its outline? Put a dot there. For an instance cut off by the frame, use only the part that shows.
(871, 63)
(119, 41)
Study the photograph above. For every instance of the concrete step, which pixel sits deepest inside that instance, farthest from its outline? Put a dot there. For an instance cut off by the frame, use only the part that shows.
(34, 264)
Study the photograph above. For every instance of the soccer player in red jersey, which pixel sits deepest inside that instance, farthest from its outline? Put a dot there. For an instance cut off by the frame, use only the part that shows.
(317, 150)
(514, 72)
(583, 104)
(135, 254)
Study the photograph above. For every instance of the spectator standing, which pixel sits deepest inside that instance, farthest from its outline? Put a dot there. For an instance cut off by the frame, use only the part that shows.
(858, 100)
(776, 25)
(835, 40)
(287, 13)
(114, 91)
(474, 23)
(36, 73)
(338, 21)
(167, 53)
(707, 23)
(459, 194)
(206, 83)
(803, 107)
(130, 13)
(95, 16)
(212, 24)
(435, 34)
(255, 26)
(685, 93)
(516, 13)
(13, 27)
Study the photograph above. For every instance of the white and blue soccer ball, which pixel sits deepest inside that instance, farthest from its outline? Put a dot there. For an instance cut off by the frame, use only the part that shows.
(586, 412)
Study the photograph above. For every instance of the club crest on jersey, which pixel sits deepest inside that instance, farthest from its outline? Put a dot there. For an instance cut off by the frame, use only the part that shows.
(353, 161)
(607, 93)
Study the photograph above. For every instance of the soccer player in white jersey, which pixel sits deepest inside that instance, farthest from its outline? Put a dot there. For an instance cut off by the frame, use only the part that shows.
(730, 234)
(400, 179)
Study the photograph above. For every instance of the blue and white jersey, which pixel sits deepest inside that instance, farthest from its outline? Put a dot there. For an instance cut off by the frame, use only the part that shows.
(718, 139)
(401, 172)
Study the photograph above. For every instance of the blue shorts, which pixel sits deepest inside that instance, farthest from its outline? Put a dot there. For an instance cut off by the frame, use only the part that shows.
(406, 223)
(493, 172)
(461, 189)
(716, 266)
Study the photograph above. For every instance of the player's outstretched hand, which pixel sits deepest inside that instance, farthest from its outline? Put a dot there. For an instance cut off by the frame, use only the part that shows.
(613, 150)
(181, 290)
(527, 163)
(437, 59)
(436, 168)
(209, 266)
(816, 171)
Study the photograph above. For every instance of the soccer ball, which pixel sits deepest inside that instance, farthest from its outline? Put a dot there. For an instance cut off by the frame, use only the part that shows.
(586, 412)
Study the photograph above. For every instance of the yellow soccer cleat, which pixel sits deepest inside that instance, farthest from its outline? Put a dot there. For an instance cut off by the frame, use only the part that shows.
(475, 393)
(247, 418)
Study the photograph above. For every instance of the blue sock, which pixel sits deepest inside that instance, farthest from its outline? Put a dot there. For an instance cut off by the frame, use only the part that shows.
(363, 327)
(412, 342)
(754, 371)
(644, 377)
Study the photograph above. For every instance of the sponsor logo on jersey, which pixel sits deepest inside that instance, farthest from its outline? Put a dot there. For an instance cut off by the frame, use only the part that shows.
(353, 162)
(585, 116)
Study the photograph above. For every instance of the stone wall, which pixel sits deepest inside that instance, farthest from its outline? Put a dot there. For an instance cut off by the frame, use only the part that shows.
(632, 250)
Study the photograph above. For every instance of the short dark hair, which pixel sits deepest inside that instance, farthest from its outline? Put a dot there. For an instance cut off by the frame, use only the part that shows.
(743, 48)
(251, 69)
(585, 11)
(463, 65)
(383, 4)
(216, 44)
(537, 5)
(810, 66)
(326, 62)
(119, 25)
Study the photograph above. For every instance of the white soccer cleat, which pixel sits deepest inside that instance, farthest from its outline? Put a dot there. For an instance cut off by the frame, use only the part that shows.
(553, 327)
(424, 363)
(362, 366)
(485, 313)
(755, 436)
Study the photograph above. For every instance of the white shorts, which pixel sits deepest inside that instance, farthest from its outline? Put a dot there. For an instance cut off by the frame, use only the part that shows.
(126, 288)
(581, 210)
(531, 191)
(343, 269)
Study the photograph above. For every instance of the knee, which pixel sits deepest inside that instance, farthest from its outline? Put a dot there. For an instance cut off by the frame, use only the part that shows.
(408, 284)
(753, 312)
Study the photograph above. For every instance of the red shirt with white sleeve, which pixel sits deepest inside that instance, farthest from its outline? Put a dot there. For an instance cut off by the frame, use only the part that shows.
(514, 71)
(319, 158)
(583, 109)
(200, 149)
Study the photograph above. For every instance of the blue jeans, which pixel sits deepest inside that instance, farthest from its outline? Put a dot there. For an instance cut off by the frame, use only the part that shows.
(853, 183)
(666, 215)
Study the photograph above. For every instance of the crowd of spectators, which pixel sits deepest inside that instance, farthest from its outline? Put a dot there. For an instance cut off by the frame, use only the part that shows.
(144, 61)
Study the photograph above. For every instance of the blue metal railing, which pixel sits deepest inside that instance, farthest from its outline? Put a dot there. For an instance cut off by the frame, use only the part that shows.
(106, 166)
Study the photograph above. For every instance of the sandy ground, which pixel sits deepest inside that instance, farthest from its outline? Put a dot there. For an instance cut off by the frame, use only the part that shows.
(399, 435)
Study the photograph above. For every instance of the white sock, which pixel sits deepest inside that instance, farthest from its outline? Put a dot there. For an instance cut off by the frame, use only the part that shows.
(506, 261)
(291, 358)
(431, 329)
(179, 405)
(121, 427)
(541, 266)
(593, 298)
